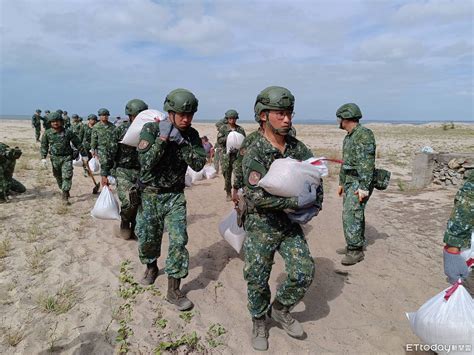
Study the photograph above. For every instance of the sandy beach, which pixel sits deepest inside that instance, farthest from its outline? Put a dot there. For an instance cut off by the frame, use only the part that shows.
(67, 281)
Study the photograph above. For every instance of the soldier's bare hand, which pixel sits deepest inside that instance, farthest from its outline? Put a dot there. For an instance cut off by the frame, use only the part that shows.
(235, 196)
(362, 194)
(340, 190)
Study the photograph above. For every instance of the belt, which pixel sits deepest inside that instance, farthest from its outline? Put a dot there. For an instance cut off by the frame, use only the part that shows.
(164, 190)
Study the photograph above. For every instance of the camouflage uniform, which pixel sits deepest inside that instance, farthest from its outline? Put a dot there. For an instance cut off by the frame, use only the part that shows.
(124, 160)
(36, 123)
(67, 121)
(238, 174)
(46, 124)
(356, 173)
(8, 157)
(219, 150)
(163, 168)
(269, 230)
(58, 144)
(78, 129)
(86, 137)
(228, 160)
(102, 137)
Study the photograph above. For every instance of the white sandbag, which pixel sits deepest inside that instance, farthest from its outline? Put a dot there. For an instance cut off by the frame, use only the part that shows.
(446, 321)
(106, 206)
(231, 232)
(319, 163)
(133, 133)
(94, 165)
(468, 254)
(195, 175)
(234, 141)
(209, 172)
(286, 177)
(77, 161)
(188, 180)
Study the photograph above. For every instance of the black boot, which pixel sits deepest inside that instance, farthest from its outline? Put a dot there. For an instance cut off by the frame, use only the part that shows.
(65, 197)
(124, 229)
(151, 274)
(176, 297)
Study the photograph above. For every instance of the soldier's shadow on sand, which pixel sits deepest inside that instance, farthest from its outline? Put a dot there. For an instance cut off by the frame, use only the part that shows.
(212, 264)
(372, 234)
(33, 194)
(327, 285)
(86, 343)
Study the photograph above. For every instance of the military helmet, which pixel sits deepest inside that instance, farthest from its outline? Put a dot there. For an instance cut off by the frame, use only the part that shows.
(231, 114)
(59, 111)
(75, 116)
(92, 117)
(103, 112)
(38, 111)
(180, 100)
(274, 98)
(349, 111)
(55, 116)
(47, 111)
(135, 106)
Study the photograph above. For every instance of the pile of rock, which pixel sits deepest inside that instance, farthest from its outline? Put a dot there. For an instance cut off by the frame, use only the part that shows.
(451, 173)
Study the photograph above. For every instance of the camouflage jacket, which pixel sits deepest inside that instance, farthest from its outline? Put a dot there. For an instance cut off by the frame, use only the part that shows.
(78, 129)
(86, 137)
(164, 164)
(36, 120)
(358, 153)
(219, 124)
(46, 124)
(120, 155)
(237, 168)
(67, 121)
(102, 136)
(224, 132)
(255, 164)
(59, 143)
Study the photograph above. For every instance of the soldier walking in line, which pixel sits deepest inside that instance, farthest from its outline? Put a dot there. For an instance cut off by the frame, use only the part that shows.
(269, 228)
(122, 162)
(356, 180)
(36, 124)
(165, 150)
(102, 136)
(44, 119)
(218, 150)
(228, 159)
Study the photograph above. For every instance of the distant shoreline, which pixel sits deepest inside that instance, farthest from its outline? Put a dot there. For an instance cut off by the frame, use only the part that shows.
(296, 121)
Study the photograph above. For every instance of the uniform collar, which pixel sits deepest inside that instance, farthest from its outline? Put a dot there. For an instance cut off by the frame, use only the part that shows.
(269, 148)
(355, 129)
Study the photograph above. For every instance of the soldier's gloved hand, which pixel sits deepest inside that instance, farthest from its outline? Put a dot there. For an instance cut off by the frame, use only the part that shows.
(165, 129)
(304, 215)
(308, 196)
(140, 186)
(175, 136)
(44, 163)
(455, 266)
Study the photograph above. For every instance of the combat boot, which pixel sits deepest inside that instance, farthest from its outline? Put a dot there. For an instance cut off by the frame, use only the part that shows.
(176, 297)
(124, 229)
(352, 257)
(132, 231)
(341, 251)
(281, 314)
(65, 197)
(259, 334)
(151, 274)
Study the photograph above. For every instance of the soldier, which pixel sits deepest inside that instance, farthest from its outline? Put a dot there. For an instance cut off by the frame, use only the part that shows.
(355, 180)
(67, 120)
(165, 151)
(124, 160)
(57, 141)
(46, 124)
(269, 228)
(8, 158)
(458, 235)
(102, 136)
(36, 124)
(228, 159)
(218, 151)
(86, 138)
(77, 127)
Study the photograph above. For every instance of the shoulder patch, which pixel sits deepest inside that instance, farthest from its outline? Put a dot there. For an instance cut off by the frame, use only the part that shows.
(254, 177)
(143, 144)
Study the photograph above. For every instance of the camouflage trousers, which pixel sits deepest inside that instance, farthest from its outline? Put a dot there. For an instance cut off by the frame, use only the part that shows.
(461, 222)
(267, 234)
(156, 211)
(62, 171)
(228, 161)
(37, 133)
(353, 216)
(217, 157)
(126, 178)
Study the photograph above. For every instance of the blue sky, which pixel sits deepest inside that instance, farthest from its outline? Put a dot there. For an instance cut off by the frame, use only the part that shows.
(399, 60)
